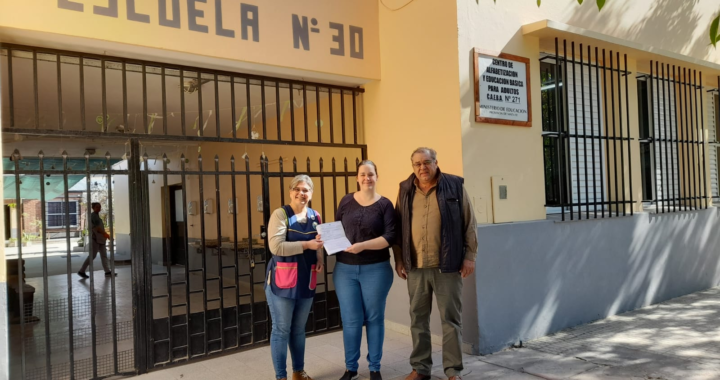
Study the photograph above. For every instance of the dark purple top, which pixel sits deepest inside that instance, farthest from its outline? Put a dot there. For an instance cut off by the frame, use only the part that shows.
(366, 223)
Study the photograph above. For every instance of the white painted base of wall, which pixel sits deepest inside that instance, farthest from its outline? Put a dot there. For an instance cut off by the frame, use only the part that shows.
(467, 348)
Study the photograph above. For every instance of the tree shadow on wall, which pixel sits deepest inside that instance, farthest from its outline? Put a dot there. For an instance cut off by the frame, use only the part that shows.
(676, 21)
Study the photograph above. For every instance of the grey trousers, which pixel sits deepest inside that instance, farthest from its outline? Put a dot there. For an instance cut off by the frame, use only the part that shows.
(97, 247)
(422, 283)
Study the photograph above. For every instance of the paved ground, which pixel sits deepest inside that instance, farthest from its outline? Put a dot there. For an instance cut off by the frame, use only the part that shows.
(678, 339)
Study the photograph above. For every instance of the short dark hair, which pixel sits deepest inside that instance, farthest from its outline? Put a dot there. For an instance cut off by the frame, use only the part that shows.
(92, 205)
(429, 151)
(368, 163)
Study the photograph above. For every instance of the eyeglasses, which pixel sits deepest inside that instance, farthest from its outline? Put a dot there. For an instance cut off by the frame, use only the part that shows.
(301, 190)
(425, 163)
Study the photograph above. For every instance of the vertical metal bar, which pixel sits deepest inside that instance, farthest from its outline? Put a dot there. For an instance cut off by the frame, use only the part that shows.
(201, 211)
(262, 107)
(164, 100)
(318, 117)
(666, 145)
(292, 112)
(620, 128)
(607, 134)
(21, 289)
(627, 125)
(233, 108)
(673, 139)
(657, 149)
(354, 104)
(266, 215)
(220, 264)
(201, 114)
(330, 111)
(147, 262)
(695, 142)
(614, 138)
(182, 122)
(277, 111)
(36, 97)
(251, 252)
(662, 146)
(71, 334)
(217, 108)
(702, 142)
(561, 136)
(91, 232)
(188, 309)
(693, 125)
(138, 258)
(144, 98)
(575, 133)
(678, 128)
(582, 104)
(124, 87)
(83, 122)
(113, 300)
(305, 111)
(168, 259)
(566, 122)
(11, 95)
(233, 194)
(686, 138)
(59, 92)
(282, 181)
(103, 85)
(322, 207)
(342, 112)
(249, 112)
(43, 236)
(592, 126)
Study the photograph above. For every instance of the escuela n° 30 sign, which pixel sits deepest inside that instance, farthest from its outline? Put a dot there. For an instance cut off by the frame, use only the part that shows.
(502, 89)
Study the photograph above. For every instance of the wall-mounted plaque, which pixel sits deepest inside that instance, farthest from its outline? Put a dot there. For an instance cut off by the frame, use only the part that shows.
(502, 89)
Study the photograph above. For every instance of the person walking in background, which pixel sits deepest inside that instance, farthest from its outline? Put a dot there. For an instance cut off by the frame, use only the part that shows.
(98, 238)
(292, 276)
(363, 274)
(436, 250)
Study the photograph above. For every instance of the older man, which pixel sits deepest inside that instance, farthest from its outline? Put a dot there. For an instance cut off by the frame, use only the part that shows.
(437, 250)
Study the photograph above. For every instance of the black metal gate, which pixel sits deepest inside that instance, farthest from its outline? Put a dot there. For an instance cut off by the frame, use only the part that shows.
(186, 205)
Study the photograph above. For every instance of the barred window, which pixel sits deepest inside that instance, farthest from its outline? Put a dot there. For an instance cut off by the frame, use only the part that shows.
(586, 148)
(714, 146)
(56, 212)
(672, 142)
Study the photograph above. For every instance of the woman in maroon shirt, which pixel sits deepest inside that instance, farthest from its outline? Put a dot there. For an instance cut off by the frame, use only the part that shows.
(363, 275)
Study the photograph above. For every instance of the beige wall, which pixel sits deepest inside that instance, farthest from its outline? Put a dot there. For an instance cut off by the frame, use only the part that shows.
(515, 153)
(415, 104)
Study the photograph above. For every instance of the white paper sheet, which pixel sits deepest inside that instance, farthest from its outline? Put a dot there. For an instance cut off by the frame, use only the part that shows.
(333, 236)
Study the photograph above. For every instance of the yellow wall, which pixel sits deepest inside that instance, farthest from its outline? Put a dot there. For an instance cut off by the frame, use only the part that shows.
(515, 153)
(274, 47)
(415, 104)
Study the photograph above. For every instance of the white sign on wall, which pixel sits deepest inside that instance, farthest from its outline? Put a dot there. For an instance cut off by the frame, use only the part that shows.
(502, 89)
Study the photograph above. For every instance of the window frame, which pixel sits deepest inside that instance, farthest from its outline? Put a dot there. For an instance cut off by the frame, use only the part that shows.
(77, 214)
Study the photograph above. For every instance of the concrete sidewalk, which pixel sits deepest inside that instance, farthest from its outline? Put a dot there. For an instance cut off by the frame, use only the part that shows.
(677, 339)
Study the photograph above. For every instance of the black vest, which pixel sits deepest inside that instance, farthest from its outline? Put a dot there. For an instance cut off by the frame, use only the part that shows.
(452, 228)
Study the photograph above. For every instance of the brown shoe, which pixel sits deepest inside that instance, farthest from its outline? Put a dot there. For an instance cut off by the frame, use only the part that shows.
(414, 375)
(301, 375)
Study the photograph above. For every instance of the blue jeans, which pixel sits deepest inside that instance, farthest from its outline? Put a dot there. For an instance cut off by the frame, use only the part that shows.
(289, 317)
(362, 291)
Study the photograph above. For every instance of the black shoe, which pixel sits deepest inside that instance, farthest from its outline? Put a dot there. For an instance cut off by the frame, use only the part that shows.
(83, 275)
(350, 375)
(110, 274)
(375, 375)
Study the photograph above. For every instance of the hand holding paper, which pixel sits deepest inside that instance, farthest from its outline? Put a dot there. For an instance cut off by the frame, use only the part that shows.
(333, 235)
